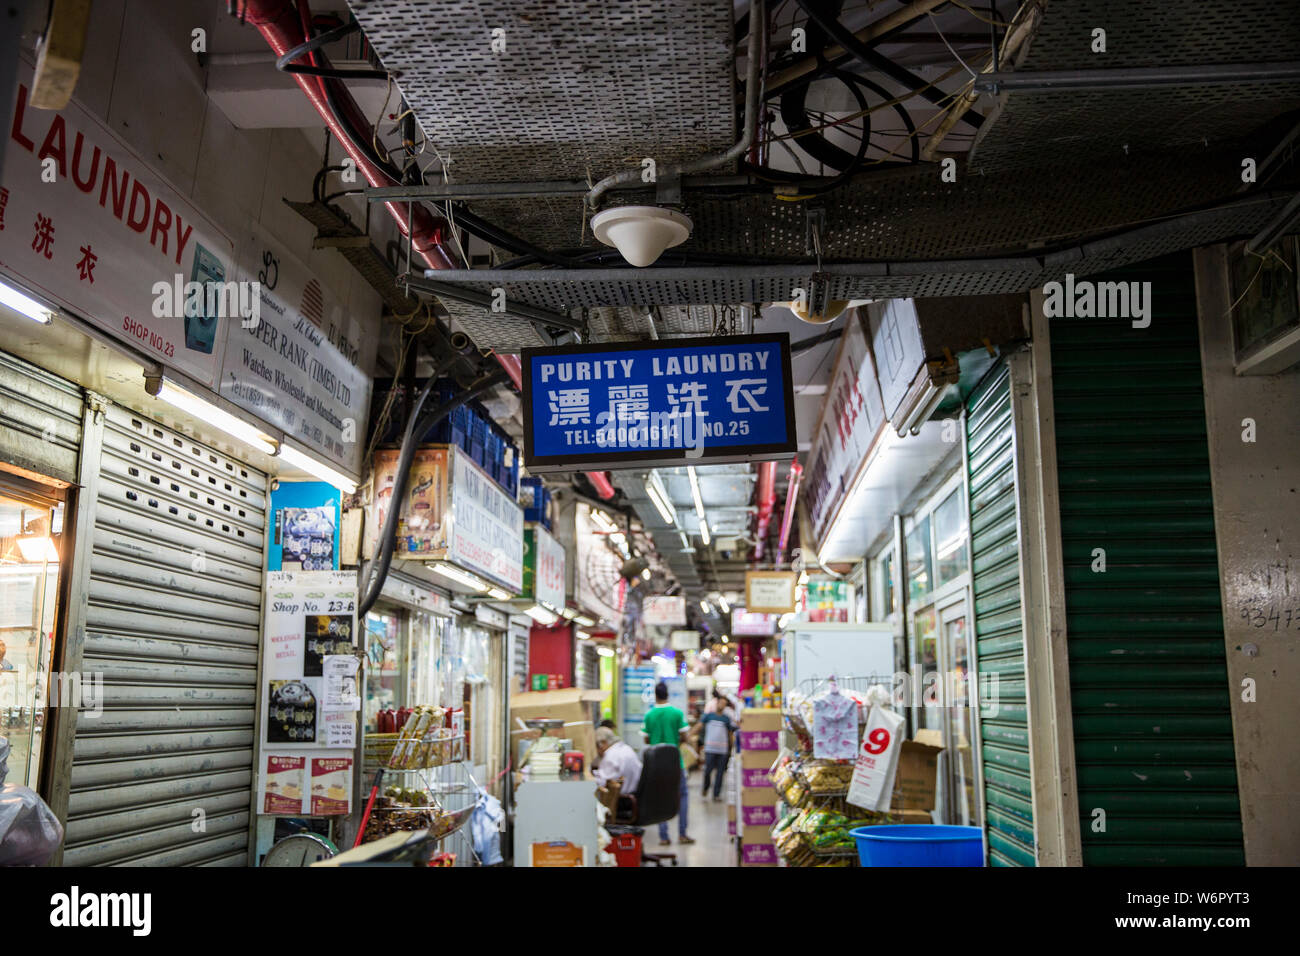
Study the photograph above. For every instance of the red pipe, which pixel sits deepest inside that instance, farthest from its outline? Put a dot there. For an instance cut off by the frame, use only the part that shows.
(282, 25)
(765, 496)
(787, 514)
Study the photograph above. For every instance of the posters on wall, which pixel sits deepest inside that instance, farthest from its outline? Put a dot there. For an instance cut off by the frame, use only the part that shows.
(305, 367)
(638, 697)
(305, 785)
(110, 240)
(304, 527)
(310, 694)
(422, 528)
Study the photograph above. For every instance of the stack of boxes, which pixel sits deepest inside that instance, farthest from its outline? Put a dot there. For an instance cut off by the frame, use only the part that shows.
(755, 812)
(469, 427)
(535, 499)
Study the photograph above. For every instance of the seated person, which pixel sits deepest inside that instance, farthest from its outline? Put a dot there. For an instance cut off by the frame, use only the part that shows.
(618, 761)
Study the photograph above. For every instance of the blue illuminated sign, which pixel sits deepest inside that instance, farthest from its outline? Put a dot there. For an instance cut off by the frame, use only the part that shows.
(667, 402)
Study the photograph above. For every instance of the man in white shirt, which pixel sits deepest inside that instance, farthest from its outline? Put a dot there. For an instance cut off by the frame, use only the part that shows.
(617, 760)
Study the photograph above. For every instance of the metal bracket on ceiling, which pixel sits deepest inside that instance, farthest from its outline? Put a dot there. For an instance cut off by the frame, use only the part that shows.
(814, 225)
(668, 190)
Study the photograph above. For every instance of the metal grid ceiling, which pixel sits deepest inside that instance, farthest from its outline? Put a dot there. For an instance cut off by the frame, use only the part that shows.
(885, 280)
(583, 86)
(1036, 128)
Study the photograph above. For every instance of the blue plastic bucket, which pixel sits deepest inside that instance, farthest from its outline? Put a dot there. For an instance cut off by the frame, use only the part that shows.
(919, 845)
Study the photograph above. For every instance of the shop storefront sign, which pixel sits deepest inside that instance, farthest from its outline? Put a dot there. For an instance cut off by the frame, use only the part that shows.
(664, 611)
(770, 592)
(487, 526)
(85, 223)
(746, 623)
(852, 418)
(305, 366)
(684, 640)
(660, 403)
(557, 853)
(543, 567)
(491, 617)
(597, 578)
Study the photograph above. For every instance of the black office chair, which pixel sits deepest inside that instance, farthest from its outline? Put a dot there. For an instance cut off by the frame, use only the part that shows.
(657, 798)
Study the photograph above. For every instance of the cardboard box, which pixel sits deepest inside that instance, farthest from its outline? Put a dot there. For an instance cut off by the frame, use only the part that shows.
(760, 718)
(757, 854)
(757, 760)
(763, 815)
(755, 834)
(760, 740)
(731, 813)
(754, 778)
(572, 705)
(912, 816)
(758, 796)
(914, 783)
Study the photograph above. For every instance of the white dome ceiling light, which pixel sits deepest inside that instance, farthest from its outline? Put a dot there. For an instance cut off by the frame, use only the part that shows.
(641, 233)
(834, 309)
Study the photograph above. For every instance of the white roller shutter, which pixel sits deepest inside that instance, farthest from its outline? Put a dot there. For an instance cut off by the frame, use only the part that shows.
(40, 421)
(172, 623)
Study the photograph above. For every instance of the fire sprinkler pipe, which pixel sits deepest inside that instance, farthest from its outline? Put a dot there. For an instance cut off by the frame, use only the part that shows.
(765, 495)
(787, 515)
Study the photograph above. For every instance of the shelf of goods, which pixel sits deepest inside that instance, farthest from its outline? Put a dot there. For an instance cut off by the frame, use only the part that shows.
(439, 799)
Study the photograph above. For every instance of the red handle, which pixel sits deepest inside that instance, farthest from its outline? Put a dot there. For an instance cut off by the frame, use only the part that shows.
(365, 817)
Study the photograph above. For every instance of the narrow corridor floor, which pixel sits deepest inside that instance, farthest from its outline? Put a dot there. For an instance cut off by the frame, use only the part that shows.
(707, 825)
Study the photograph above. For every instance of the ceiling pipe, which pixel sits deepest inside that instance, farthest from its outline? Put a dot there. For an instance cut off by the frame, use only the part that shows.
(757, 36)
(787, 515)
(765, 495)
(600, 481)
(281, 26)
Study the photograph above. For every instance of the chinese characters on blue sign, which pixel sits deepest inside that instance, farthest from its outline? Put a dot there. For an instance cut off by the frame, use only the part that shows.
(661, 402)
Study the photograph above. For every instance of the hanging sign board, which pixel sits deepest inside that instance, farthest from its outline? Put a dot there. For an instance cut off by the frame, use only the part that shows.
(543, 567)
(665, 402)
(746, 623)
(305, 365)
(852, 419)
(111, 241)
(487, 526)
(684, 640)
(664, 611)
(770, 592)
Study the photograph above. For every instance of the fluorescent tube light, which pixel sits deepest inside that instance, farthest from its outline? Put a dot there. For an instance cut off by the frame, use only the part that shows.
(704, 529)
(498, 595)
(25, 304)
(542, 616)
(695, 491)
(585, 621)
(722, 600)
(660, 499)
(217, 417)
(569, 613)
(464, 578)
(310, 465)
(704, 606)
(605, 651)
(646, 574)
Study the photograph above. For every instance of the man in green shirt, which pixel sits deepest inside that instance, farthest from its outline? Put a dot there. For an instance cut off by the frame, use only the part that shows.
(665, 724)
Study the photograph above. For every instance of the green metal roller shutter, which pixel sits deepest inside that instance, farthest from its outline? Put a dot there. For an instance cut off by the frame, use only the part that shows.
(999, 629)
(1148, 679)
